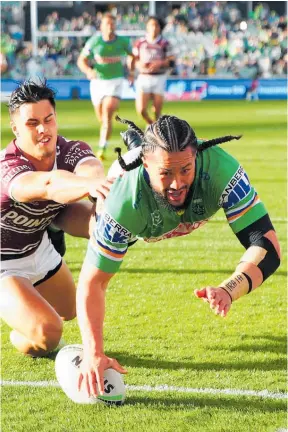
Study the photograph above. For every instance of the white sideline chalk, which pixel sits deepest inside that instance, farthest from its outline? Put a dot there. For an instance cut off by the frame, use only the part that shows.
(164, 388)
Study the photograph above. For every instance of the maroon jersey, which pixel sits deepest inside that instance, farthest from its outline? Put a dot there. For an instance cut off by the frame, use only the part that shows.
(146, 51)
(23, 224)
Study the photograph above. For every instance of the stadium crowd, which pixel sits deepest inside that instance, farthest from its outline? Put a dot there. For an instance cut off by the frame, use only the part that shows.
(209, 38)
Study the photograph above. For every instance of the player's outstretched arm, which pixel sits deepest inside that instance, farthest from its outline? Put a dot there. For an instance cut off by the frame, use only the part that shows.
(90, 312)
(261, 260)
(83, 65)
(60, 186)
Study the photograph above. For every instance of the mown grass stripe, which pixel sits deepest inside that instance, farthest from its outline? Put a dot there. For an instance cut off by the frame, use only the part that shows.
(165, 388)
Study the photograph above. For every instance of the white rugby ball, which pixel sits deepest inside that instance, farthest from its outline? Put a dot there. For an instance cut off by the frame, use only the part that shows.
(67, 364)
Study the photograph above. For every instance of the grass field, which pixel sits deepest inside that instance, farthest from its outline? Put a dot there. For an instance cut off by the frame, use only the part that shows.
(154, 325)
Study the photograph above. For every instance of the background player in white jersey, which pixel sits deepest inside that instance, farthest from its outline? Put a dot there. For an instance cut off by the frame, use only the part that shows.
(41, 172)
(102, 62)
(153, 58)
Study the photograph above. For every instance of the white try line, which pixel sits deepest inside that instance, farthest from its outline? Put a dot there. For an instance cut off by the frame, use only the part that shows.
(163, 388)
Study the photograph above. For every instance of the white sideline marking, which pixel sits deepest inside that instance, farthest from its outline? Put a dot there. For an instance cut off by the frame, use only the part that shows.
(164, 388)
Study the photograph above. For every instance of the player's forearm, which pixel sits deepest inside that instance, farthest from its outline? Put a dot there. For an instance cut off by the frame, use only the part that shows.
(256, 265)
(245, 278)
(90, 315)
(64, 187)
(83, 65)
(132, 65)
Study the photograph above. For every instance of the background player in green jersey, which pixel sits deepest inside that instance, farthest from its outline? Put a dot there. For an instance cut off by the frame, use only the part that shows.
(102, 62)
(174, 187)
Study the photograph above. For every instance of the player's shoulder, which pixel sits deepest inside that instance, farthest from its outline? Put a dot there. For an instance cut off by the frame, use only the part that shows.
(11, 155)
(142, 40)
(123, 40)
(94, 40)
(64, 143)
(125, 189)
(69, 152)
(219, 160)
(163, 41)
(10, 151)
(13, 163)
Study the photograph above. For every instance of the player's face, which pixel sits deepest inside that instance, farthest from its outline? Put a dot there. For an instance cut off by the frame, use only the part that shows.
(35, 128)
(107, 26)
(153, 28)
(171, 174)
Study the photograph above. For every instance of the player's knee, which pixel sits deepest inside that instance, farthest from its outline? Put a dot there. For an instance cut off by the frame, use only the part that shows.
(70, 315)
(47, 335)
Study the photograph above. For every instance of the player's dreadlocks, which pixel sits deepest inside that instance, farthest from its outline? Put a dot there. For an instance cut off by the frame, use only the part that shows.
(30, 92)
(169, 133)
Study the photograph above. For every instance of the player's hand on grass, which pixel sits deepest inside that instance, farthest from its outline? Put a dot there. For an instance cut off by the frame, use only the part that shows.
(92, 373)
(218, 299)
(91, 74)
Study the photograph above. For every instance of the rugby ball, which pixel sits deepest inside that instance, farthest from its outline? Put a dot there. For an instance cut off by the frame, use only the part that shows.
(67, 364)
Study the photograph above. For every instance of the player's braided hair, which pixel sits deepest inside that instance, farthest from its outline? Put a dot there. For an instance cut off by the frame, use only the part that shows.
(169, 133)
(30, 91)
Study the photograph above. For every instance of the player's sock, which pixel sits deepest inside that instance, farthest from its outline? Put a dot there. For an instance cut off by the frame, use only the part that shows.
(102, 150)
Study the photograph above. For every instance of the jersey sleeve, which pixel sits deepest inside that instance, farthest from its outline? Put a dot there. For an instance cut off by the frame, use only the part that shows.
(72, 154)
(10, 170)
(136, 48)
(116, 227)
(87, 50)
(238, 198)
(127, 46)
(168, 49)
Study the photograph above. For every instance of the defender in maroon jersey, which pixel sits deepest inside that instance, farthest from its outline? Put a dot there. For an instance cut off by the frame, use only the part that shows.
(153, 59)
(43, 176)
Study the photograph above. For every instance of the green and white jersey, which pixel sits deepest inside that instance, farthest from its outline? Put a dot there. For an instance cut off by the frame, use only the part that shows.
(131, 210)
(106, 56)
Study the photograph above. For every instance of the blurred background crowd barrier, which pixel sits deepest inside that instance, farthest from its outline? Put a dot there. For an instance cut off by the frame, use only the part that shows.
(220, 40)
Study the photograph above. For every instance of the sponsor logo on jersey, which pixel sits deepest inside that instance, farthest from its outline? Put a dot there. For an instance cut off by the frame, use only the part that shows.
(13, 171)
(13, 219)
(112, 231)
(237, 189)
(107, 60)
(181, 230)
(76, 153)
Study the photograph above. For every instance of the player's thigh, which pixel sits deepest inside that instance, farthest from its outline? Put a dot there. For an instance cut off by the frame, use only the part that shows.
(77, 219)
(60, 292)
(24, 309)
(110, 105)
(142, 101)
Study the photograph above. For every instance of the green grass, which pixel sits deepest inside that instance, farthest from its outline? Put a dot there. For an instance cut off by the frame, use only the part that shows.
(154, 325)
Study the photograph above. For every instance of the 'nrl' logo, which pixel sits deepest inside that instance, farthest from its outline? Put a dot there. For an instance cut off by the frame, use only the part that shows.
(157, 220)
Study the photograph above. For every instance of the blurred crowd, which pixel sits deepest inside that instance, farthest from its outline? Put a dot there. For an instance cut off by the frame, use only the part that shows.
(217, 39)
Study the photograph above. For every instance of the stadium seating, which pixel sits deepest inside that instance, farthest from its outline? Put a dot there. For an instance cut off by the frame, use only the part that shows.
(215, 39)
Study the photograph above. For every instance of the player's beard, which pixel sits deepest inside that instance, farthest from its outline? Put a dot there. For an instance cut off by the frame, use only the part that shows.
(161, 199)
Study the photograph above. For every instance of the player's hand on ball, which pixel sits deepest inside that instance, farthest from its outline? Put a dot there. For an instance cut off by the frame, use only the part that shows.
(92, 373)
(218, 299)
